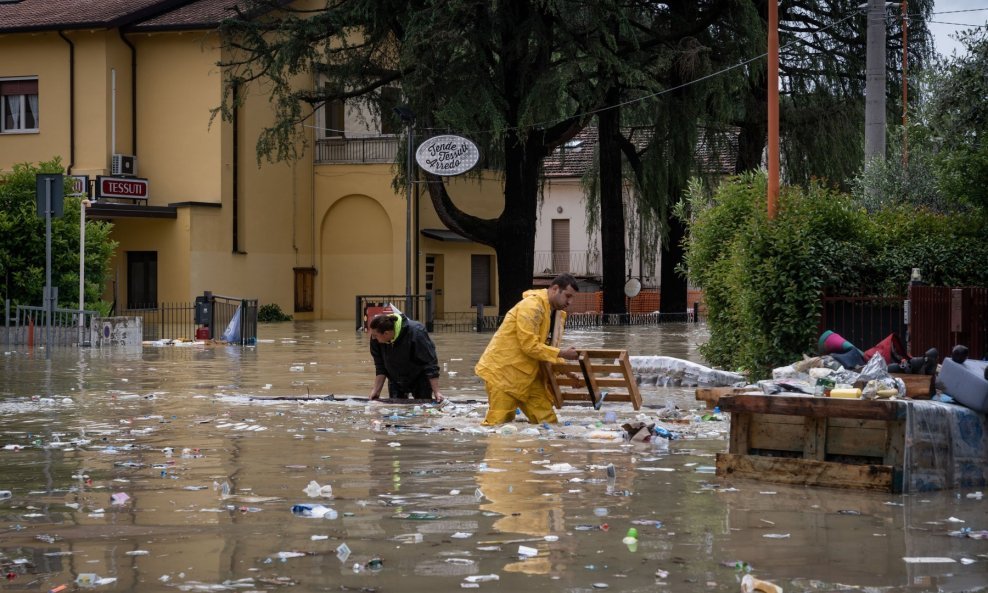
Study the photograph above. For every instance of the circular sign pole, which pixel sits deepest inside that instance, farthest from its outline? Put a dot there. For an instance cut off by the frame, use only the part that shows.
(409, 176)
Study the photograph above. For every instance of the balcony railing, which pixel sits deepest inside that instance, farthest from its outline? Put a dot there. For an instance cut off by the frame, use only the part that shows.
(578, 263)
(372, 149)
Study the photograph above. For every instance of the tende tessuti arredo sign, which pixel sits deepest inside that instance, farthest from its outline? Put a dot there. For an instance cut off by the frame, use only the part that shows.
(447, 155)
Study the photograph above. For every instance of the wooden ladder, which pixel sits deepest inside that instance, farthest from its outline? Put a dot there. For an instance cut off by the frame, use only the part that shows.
(598, 376)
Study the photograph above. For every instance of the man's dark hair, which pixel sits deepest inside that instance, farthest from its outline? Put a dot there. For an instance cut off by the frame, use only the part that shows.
(564, 281)
(384, 322)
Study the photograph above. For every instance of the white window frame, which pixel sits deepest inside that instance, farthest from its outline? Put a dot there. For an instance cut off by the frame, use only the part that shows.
(23, 102)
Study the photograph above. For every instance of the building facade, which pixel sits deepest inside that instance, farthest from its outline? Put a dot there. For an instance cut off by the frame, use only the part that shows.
(125, 91)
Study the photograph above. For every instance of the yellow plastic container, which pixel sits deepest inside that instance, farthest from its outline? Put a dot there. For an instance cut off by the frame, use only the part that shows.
(846, 393)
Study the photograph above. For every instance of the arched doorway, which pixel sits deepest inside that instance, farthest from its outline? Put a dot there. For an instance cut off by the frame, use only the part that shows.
(357, 254)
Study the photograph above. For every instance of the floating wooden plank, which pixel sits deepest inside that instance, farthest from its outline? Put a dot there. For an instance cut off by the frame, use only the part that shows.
(597, 374)
(712, 395)
(809, 472)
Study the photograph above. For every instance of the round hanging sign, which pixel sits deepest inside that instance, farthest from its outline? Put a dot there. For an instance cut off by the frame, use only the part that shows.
(447, 155)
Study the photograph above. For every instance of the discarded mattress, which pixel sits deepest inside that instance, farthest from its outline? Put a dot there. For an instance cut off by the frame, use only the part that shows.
(966, 382)
(666, 371)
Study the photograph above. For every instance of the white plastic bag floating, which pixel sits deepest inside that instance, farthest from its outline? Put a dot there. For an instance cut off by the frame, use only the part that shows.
(232, 332)
(314, 490)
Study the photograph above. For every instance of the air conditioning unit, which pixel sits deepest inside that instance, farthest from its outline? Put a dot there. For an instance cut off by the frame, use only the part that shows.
(123, 164)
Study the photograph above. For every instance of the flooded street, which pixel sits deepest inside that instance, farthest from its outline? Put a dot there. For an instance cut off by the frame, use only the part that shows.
(177, 468)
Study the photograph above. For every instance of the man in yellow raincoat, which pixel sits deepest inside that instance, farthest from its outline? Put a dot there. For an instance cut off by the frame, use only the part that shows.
(510, 364)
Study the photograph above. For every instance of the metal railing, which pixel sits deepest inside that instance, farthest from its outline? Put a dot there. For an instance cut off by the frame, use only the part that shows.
(177, 321)
(579, 263)
(938, 317)
(416, 306)
(484, 323)
(28, 326)
(373, 149)
(165, 321)
(243, 328)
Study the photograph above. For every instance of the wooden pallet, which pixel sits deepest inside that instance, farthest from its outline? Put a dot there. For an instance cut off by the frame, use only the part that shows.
(598, 376)
(816, 441)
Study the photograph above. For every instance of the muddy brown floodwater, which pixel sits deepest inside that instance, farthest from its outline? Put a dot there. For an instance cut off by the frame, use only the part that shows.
(178, 467)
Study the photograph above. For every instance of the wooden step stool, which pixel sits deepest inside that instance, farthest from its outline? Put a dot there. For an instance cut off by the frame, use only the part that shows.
(597, 376)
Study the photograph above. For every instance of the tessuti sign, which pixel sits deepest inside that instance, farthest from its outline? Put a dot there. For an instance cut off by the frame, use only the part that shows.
(447, 155)
(122, 187)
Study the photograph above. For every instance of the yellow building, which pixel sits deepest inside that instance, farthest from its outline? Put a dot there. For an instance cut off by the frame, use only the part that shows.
(123, 93)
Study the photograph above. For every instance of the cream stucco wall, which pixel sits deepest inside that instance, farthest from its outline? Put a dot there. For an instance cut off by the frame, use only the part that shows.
(177, 85)
(44, 56)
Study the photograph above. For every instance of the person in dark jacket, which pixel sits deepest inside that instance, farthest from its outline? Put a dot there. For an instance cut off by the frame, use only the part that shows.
(403, 354)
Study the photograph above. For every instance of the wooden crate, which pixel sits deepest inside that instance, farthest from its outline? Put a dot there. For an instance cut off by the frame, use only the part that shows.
(598, 376)
(816, 441)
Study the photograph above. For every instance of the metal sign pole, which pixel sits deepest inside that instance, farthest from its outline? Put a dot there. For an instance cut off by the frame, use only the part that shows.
(48, 291)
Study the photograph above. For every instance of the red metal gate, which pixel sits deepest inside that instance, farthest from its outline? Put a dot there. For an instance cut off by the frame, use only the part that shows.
(941, 317)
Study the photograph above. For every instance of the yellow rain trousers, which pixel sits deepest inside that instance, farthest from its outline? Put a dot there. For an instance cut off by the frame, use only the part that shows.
(510, 364)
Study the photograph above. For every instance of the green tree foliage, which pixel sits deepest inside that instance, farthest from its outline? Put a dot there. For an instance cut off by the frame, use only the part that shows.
(822, 81)
(272, 313)
(952, 120)
(763, 280)
(22, 243)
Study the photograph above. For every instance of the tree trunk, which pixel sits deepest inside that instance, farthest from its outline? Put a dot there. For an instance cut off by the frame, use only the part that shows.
(673, 299)
(752, 138)
(612, 227)
(515, 238)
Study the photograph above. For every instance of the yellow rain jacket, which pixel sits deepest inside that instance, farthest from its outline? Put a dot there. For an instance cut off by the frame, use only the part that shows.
(510, 364)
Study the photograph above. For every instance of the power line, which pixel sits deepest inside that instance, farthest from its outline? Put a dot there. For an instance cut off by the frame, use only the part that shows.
(973, 26)
(655, 94)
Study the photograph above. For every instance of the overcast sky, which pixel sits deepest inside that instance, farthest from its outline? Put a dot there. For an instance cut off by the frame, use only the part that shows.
(947, 24)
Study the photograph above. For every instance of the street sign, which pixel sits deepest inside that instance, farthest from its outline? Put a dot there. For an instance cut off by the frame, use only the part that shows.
(49, 184)
(121, 187)
(80, 186)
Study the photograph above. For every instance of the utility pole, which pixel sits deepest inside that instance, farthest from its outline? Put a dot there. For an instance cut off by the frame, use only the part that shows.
(407, 117)
(773, 108)
(875, 82)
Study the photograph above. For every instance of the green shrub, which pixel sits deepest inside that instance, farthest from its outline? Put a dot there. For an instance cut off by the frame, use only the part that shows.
(271, 312)
(763, 280)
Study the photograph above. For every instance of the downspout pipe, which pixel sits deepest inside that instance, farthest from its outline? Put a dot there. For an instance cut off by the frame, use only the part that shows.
(71, 163)
(133, 90)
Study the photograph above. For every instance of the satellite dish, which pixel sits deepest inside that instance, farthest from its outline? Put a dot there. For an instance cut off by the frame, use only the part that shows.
(632, 287)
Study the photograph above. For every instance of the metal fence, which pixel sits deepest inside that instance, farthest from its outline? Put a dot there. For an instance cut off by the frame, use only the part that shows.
(581, 263)
(415, 306)
(177, 321)
(479, 321)
(942, 317)
(937, 317)
(374, 149)
(863, 320)
(165, 321)
(29, 326)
